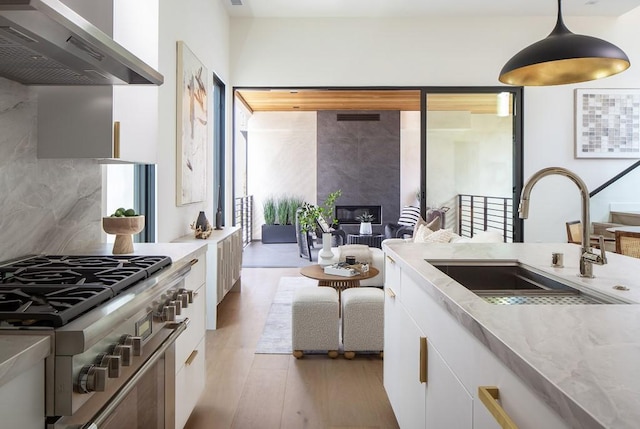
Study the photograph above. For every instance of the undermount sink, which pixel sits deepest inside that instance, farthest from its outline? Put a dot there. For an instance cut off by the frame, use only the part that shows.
(510, 284)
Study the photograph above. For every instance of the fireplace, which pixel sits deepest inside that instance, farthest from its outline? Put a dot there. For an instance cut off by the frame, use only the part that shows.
(347, 215)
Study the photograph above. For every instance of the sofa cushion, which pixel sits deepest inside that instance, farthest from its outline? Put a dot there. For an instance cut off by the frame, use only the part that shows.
(361, 252)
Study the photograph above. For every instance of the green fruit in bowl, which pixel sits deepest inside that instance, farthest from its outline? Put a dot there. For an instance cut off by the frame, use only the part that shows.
(122, 212)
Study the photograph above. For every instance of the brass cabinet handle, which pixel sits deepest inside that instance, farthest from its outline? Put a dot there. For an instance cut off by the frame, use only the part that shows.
(489, 396)
(424, 359)
(191, 358)
(193, 261)
(391, 259)
(116, 139)
(391, 293)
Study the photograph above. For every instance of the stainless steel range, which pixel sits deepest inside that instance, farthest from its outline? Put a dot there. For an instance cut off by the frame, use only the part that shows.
(112, 319)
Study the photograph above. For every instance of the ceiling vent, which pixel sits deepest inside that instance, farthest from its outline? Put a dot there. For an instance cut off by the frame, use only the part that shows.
(236, 2)
(358, 117)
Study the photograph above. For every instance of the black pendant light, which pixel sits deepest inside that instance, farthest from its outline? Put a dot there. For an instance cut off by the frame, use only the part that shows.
(564, 57)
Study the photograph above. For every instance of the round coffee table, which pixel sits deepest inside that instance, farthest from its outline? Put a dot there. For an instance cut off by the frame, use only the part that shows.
(339, 283)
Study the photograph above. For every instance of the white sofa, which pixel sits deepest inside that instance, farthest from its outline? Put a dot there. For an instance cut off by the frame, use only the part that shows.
(377, 261)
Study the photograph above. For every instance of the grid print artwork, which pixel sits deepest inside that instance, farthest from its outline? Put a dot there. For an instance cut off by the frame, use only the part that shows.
(607, 123)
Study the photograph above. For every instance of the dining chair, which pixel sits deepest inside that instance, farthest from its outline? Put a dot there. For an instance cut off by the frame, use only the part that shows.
(574, 235)
(628, 243)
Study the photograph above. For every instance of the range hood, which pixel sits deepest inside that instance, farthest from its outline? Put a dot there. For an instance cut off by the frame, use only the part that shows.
(44, 42)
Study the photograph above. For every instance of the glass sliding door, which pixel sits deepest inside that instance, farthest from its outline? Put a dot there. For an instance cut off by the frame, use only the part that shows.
(472, 159)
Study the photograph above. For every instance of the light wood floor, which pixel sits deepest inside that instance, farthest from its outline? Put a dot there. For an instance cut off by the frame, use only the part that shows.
(248, 390)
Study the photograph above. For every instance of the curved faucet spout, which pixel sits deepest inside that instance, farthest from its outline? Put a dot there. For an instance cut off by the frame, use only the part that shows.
(587, 258)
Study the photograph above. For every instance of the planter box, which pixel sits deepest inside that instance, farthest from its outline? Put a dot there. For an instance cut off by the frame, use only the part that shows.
(278, 234)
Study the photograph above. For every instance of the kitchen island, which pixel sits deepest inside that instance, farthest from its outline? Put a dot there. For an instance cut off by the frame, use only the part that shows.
(579, 361)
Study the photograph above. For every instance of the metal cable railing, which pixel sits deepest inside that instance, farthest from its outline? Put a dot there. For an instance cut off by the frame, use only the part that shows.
(243, 212)
(478, 213)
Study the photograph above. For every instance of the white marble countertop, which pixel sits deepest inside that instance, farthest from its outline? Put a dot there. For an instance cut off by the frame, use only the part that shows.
(583, 360)
(20, 352)
(176, 251)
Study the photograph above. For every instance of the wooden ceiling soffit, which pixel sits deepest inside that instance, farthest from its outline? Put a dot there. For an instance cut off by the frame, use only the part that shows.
(404, 100)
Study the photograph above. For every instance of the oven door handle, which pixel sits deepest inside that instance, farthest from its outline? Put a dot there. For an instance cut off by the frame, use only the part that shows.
(107, 410)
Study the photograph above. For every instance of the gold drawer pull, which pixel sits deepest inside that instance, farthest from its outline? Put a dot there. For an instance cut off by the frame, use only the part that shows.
(489, 395)
(391, 259)
(191, 358)
(193, 261)
(391, 293)
(424, 359)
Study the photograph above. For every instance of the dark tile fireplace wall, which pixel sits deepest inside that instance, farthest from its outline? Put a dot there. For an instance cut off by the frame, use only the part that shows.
(359, 152)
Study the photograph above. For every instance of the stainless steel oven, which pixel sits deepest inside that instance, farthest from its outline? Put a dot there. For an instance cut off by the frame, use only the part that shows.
(142, 400)
(114, 322)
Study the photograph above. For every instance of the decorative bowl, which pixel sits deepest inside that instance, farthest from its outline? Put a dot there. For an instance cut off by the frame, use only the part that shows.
(123, 228)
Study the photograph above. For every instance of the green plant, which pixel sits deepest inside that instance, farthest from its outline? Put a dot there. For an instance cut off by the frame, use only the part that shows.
(294, 204)
(310, 213)
(269, 210)
(365, 217)
(282, 209)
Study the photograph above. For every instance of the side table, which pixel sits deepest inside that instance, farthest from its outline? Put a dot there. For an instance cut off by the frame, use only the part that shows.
(371, 240)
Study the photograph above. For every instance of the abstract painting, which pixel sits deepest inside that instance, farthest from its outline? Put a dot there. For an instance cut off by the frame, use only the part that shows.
(607, 123)
(192, 127)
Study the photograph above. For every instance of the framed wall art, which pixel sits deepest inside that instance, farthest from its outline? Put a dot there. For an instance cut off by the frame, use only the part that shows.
(191, 127)
(607, 123)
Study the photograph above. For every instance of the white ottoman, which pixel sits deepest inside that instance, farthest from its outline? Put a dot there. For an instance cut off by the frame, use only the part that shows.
(362, 320)
(314, 320)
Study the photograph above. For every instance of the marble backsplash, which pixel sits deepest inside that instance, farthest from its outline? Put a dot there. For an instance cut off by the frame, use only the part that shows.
(46, 205)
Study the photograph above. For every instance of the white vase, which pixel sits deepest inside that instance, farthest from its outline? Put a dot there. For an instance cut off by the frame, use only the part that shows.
(325, 255)
(365, 228)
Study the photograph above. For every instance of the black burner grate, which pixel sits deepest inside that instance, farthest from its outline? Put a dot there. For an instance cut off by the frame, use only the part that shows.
(53, 289)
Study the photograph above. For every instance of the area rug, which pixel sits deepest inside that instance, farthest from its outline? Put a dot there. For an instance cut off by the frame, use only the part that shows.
(276, 337)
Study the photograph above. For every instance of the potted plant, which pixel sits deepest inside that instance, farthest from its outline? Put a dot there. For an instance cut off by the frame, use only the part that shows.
(278, 223)
(309, 215)
(365, 223)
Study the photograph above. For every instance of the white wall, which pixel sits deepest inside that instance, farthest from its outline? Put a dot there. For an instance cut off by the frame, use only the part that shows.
(444, 52)
(282, 158)
(204, 26)
(409, 158)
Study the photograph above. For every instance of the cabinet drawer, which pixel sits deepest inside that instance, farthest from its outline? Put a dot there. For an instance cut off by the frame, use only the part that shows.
(522, 404)
(197, 275)
(190, 382)
(392, 275)
(190, 338)
(452, 340)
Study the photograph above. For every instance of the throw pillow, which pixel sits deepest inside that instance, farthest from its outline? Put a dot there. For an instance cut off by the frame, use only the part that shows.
(409, 216)
(487, 237)
(361, 252)
(440, 236)
(417, 226)
(435, 224)
(421, 234)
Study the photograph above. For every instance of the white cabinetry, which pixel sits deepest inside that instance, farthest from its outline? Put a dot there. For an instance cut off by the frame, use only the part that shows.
(190, 348)
(229, 263)
(224, 263)
(108, 122)
(457, 364)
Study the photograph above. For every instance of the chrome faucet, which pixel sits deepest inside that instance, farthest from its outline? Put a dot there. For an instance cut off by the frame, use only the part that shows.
(587, 257)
